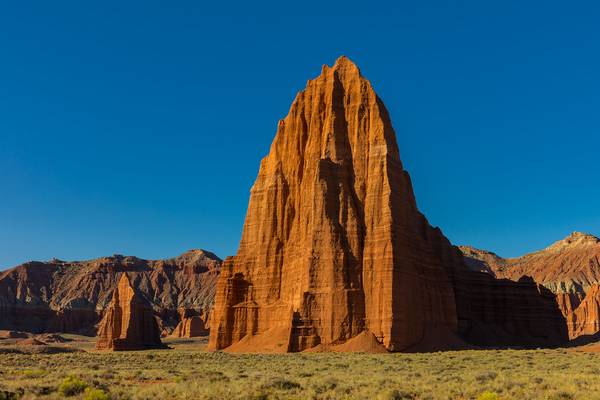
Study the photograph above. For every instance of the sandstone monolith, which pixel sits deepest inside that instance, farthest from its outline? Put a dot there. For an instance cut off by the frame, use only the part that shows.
(333, 244)
(129, 322)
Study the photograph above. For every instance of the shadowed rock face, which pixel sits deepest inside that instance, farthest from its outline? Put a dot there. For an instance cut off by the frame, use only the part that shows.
(128, 322)
(62, 296)
(333, 243)
(502, 312)
(570, 268)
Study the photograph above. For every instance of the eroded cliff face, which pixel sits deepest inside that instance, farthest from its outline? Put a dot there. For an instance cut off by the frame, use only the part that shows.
(585, 319)
(60, 296)
(333, 243)
(502, 312)
(128, 322)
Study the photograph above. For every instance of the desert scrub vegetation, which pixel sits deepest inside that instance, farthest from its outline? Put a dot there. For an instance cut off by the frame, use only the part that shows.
(195, 374)
(72, 386)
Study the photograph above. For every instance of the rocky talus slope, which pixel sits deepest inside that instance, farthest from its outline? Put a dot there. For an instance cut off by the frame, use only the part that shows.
(334, 249)
(60, 296)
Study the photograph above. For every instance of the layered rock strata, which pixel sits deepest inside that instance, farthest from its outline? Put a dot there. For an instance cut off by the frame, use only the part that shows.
(571, 265)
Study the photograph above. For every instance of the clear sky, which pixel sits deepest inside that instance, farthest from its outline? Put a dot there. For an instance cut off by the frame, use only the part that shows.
(138, 127)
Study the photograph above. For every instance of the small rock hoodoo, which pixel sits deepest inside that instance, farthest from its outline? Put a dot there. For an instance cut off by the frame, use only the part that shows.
(192, 324)
(129, 322)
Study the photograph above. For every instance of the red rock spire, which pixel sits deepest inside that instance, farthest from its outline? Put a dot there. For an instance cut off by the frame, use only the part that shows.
(128, 323)
(333, 244)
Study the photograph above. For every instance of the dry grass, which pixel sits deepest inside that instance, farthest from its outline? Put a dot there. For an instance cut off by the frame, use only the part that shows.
(187, 372)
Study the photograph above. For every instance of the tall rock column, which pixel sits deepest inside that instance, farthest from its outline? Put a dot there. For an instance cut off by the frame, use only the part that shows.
(129, 322)
(333, 244)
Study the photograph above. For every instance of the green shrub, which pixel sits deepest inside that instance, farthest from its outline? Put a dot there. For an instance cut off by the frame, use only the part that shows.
(95, 394)
(395, 395)
(562, 396)
(33, 373)
(325, 386)
(71, 386)
(281, 384)
(488, 396)
(5, 395)
(486, 376)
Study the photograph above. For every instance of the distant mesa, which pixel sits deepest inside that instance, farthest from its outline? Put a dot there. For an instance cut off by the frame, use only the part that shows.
(129, 322)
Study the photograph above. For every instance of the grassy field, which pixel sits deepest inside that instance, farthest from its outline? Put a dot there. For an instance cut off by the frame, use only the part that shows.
(188, 372)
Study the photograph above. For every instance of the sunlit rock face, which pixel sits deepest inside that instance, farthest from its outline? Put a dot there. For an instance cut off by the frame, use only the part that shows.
(333, 243)
(128, 322)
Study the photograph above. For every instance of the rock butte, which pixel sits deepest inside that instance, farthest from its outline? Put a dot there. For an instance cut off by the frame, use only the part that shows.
(335, 251)
(128, 322)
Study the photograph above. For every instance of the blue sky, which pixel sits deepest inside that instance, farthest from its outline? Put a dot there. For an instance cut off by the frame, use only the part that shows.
(138, 128)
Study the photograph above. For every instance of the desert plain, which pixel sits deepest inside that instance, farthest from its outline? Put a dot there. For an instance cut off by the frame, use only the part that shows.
(187, 371)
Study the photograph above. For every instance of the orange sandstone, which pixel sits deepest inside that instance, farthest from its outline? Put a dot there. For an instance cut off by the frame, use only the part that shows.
(333, 243)
(191, 324)
(129, 322)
